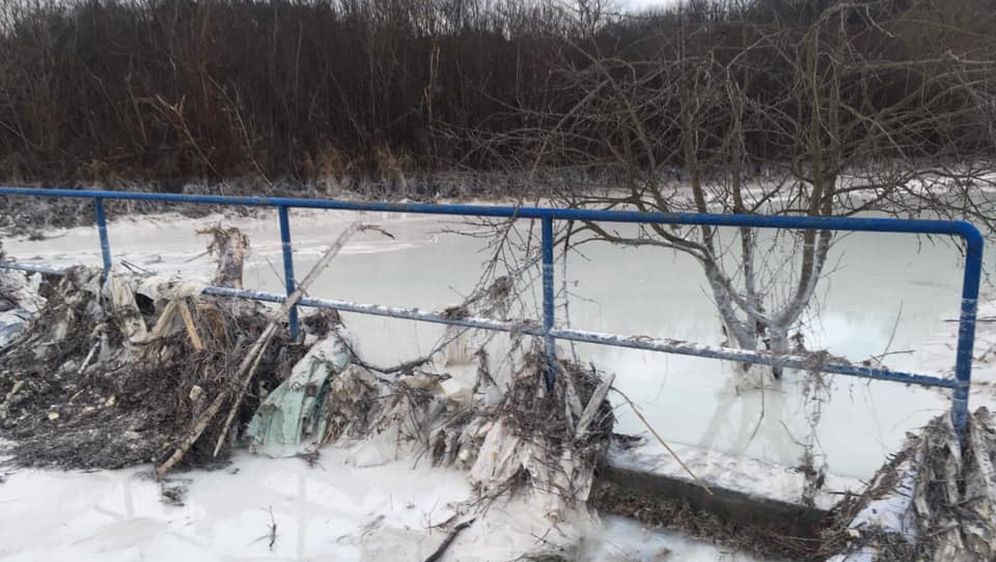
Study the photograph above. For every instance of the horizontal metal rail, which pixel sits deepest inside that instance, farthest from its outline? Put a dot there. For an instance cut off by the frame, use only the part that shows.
(973, 239)
(961, 229)
(812, 361)
(31, 268)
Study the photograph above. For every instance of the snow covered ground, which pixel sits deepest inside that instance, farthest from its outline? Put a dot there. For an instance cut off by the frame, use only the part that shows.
(333, 511)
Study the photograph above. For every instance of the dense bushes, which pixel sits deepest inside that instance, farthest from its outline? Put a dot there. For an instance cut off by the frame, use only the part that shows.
(170, 90)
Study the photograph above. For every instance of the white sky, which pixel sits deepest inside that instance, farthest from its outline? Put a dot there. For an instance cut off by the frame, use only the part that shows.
(627, 5)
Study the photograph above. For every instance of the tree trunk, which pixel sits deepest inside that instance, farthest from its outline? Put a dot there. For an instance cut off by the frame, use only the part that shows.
(779, 345)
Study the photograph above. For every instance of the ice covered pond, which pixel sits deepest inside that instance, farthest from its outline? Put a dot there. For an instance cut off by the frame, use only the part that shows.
(876, 279)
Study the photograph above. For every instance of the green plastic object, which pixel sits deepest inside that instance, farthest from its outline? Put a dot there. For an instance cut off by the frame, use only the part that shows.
(291, 414)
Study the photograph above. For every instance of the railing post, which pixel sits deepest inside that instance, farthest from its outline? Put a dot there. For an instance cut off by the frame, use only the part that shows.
(966, 330)
(290, 285)
(550, 345)
(105, 244)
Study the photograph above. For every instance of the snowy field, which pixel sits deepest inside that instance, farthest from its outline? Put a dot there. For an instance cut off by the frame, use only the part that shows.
(887, 293)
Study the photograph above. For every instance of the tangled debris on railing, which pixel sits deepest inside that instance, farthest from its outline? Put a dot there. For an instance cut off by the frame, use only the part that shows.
(98, 381)
(513, 437)
(131, 369)
(231, 246)
(935, 501)
(125, 369)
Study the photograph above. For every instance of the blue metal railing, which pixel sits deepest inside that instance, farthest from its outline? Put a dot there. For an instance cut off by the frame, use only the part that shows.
(548, 330)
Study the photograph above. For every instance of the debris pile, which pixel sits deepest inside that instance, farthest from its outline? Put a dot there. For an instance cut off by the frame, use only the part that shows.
(515, 436)
(129, 369)
(516, 440)
(19, 301)
(106, 371)
(935, 501)
(99, 381)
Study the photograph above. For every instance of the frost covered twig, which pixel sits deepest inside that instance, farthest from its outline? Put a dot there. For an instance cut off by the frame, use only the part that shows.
(271, 533)
(231, 247)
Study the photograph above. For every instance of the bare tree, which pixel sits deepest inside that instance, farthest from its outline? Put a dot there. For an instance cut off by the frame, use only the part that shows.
(689, 122)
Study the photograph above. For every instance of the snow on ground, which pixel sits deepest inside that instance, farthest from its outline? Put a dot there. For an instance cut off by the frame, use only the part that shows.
(333, 511)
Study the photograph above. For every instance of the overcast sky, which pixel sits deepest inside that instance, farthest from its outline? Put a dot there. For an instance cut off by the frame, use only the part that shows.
(641, 4)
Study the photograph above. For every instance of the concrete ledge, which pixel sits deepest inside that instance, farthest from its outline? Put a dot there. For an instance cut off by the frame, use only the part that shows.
(731, 506)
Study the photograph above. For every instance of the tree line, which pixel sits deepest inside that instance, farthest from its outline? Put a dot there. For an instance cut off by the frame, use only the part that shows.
(168, 91)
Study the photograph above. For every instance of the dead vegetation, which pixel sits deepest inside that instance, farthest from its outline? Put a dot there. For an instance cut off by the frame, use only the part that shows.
(935, 501)
(551, 441)
(531, 442)
(163, 89)
(97, 382)
(230, 246)
(123, 370)
(527, 439)
(682, 515)
(34, 217)
(88, 388)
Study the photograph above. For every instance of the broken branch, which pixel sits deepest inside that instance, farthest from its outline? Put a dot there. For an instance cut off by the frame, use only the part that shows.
(597, 397)
(188, 321)
(438, 555)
